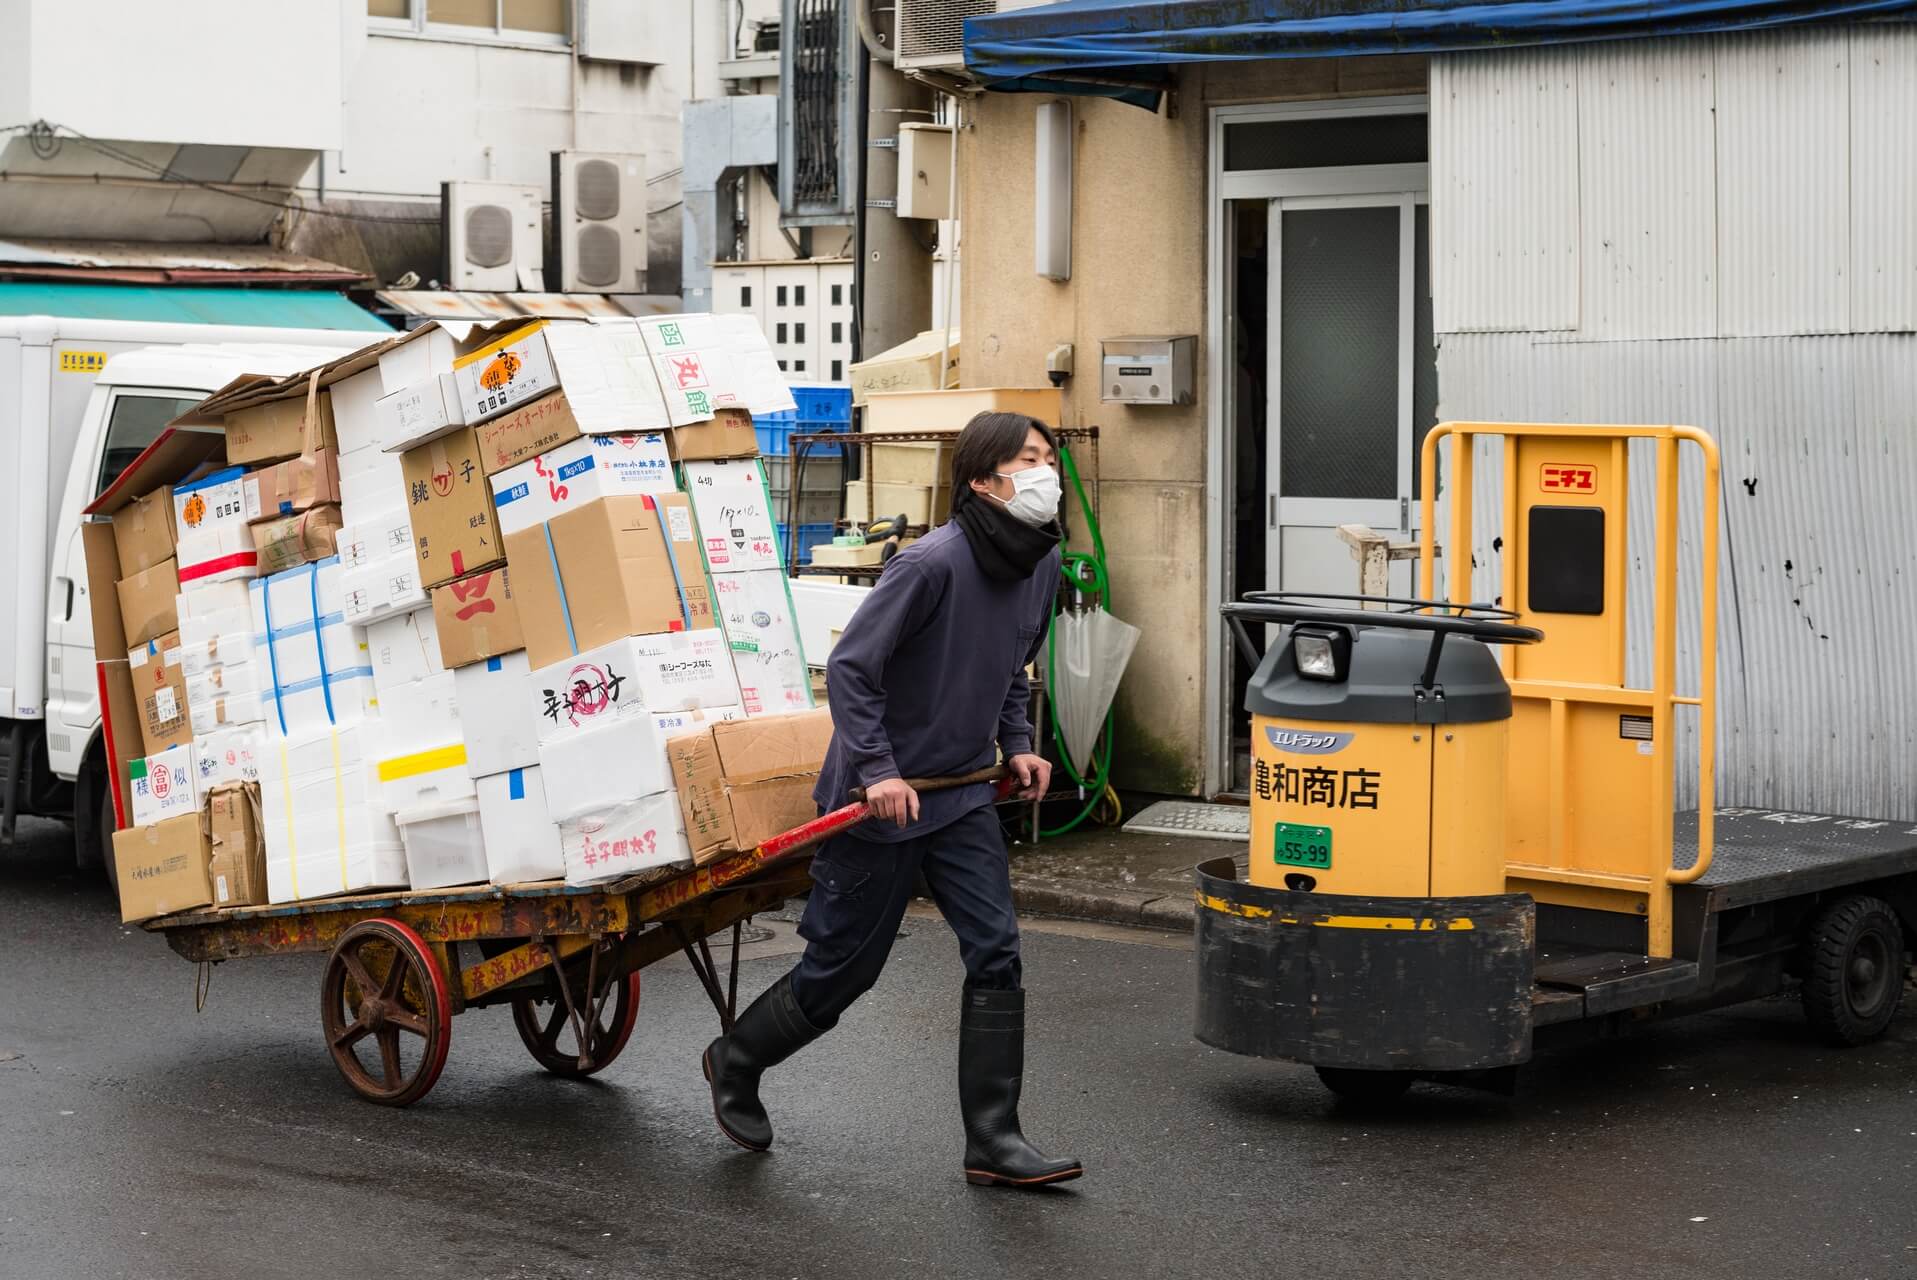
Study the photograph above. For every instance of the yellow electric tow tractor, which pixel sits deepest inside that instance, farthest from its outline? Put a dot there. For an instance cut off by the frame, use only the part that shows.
(1465, 841)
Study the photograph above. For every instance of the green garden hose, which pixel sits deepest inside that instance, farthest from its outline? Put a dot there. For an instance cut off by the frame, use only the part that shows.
(1084, 573)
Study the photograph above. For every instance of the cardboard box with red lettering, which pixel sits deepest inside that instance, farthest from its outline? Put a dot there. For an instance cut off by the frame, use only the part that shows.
(149, 602)
(477, 617)
(526, 432)
(145, 530)
(735, 515)
(624, 839)
(497, 714)
(163, 786)
(578, 472)
(285, 428)
(755, 612)
(160, 685)
(451, 509)
(162, 868)
(743, 781)
(615, 567)
(522, 840)
(237, 862)
(672, 671)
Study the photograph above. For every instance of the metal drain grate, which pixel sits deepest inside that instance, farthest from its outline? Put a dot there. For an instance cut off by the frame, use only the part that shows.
(1191, 818)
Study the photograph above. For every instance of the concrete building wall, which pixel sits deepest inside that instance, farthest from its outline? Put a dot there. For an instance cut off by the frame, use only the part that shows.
(1138, 266)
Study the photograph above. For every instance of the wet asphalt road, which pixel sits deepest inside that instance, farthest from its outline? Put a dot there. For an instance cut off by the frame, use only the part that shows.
(138, 1139)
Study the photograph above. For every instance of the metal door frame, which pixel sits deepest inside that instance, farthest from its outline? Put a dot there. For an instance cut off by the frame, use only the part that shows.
(1221, 310)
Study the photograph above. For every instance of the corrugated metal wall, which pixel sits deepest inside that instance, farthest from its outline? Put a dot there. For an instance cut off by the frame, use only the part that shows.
(1746, 230)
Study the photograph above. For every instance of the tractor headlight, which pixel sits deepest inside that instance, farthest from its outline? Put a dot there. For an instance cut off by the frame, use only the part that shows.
(1321, 653)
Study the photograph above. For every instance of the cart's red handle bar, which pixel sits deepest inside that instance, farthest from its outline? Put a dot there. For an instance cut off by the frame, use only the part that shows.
(831, 824)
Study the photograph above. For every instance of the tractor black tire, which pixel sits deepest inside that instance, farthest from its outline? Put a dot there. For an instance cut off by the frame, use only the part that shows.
(1366, 1088)
(1853, 970)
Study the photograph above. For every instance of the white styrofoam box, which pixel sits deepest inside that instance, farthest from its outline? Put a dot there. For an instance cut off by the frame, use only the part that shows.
(606, 765)
(673, 671)
(426, 356)
(370, 481)
(579, 471)
(735, 516)
(210, 652)
(214, 501)
(756, 616)
(382, 589)
(403, 648)
(419, 715)
(326, 830)
(433, 776)
(226, 680)
(710, 362)
(522, 840)
(311, 706)
(224, 553)
(227, 755)
(306, 635)
(209, 715)
(376, 538)
(355, 423)
(445, 844)
(624, 839)
(214, 603)
(512, 369)
(497, 714)
(416, 414)
(163, 786)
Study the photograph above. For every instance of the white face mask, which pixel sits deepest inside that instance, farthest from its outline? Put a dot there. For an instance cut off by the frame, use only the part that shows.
(1035, 494)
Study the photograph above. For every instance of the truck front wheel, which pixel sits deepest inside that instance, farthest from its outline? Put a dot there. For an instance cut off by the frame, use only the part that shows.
(93, 823)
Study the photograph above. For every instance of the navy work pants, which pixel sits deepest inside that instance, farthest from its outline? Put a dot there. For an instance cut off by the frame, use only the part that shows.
(860, 889)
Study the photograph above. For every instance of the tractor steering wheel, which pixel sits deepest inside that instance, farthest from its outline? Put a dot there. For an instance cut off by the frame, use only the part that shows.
(1484, 623)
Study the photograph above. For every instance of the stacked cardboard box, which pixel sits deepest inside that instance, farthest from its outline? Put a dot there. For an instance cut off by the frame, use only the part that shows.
(520, 610)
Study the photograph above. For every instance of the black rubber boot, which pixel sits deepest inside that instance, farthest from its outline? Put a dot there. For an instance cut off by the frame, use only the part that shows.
(991, 1069)
(772, 1029)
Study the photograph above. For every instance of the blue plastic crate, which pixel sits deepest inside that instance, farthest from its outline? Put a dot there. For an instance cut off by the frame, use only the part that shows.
(810, 536)
(820, 407)
(823, 401)
(775, 437)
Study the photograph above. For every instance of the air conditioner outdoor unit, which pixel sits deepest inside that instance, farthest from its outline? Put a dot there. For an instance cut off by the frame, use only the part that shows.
(931, 33)
(599, 222)
(492, 237)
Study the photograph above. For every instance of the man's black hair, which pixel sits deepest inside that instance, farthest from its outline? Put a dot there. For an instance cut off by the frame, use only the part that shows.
(989, 441)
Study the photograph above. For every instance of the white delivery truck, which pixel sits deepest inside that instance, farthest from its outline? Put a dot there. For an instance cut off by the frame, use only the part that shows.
(79, 400)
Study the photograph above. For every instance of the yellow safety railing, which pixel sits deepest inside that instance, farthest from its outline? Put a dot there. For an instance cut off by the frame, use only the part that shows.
(1663, 698)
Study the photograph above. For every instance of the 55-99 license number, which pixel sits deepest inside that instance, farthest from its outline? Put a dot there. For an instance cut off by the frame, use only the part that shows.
(1297, 845)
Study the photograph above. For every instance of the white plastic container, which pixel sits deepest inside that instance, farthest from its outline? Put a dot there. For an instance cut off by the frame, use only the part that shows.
(522, 840)
(445, 844)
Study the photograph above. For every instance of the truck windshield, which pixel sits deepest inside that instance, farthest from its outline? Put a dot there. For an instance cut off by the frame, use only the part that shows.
(135, 421)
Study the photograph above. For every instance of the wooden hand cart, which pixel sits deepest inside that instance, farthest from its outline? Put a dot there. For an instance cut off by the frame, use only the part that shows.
(566, 959)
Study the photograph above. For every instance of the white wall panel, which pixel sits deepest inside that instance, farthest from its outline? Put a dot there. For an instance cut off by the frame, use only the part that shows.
(1504, 189)
(1883, 178)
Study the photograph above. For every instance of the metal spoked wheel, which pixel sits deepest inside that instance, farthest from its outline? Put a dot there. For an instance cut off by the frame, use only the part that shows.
(547, 1030)
(386, 1012)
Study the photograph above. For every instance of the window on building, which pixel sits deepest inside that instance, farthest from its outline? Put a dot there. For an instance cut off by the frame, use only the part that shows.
(779, 334)
(798, 332)
(780, 296)
(838, 295)
(798, 366)
(535, 20)
(798, 295)
(745, 295)
(838, 331)
(1315, 144)
(838, 371)
(134, 422)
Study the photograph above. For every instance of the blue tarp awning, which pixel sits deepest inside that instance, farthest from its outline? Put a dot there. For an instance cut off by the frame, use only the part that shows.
(1124, 48)
(189, 304)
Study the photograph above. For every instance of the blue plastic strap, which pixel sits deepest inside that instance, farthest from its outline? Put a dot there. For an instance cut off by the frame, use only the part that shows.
(272, 658)
(494, 664)
(565, 611)
(516, 785)
(672, 562)
(319, 642)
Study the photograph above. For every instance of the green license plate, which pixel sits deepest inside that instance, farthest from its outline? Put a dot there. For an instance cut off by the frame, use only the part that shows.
(1296, 845)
